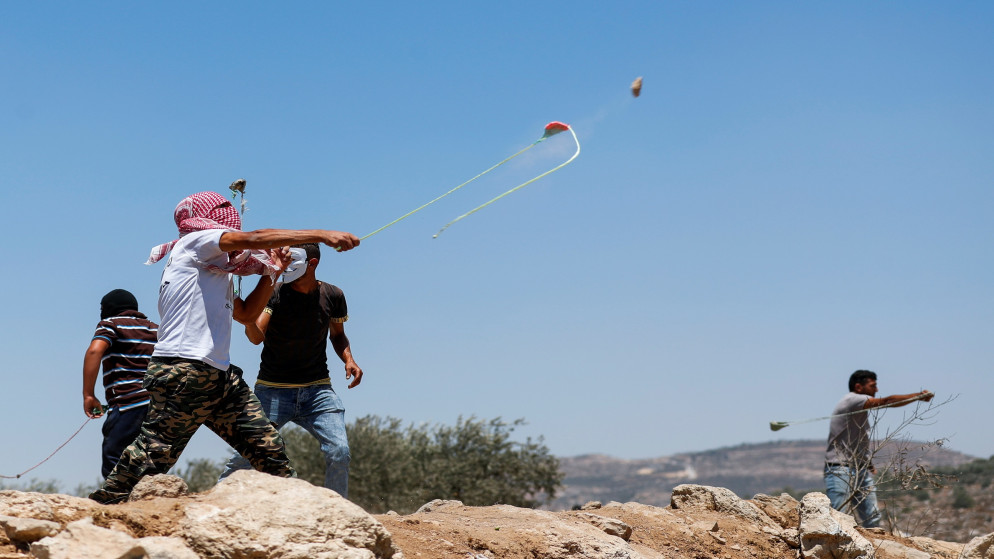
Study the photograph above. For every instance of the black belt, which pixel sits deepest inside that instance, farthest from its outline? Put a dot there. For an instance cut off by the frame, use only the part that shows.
(173, 360)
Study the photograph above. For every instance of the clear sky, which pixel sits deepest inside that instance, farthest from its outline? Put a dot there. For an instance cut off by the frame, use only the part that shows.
(802, 190)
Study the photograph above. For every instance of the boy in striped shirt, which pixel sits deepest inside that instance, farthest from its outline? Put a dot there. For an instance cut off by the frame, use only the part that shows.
(123, 343)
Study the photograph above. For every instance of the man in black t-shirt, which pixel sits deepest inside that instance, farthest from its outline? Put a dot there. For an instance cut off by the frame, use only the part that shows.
(294, 384)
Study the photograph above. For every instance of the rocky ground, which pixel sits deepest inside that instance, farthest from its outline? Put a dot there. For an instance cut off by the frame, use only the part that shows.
(256, 516)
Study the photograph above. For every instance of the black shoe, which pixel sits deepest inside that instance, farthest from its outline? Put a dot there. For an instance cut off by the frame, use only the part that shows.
(105, 497)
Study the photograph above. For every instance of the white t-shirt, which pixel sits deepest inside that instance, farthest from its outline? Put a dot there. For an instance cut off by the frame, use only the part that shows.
(195, 303)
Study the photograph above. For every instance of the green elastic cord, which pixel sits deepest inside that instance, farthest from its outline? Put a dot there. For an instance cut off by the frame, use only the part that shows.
(522, 185)
(418, 209)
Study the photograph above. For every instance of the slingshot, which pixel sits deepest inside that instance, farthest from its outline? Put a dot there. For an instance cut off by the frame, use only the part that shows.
(551, 129)
(778, 425)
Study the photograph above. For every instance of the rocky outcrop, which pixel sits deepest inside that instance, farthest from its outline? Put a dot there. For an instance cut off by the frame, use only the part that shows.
(702, 522)
(44, 506)
(249, 515)
(981, 547)
(256, 516)
(827, 533)
(717, 499)
(83, 539)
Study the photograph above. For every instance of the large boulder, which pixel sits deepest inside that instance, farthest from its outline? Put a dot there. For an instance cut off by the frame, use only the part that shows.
(782, 509)
(980, 547)
(717, 499)
(826, 533)
(251, 514)
(44, 506)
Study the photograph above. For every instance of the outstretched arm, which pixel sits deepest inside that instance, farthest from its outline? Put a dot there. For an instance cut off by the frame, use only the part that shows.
(91, 369)
(274, 238)
(336, 333)
(898, 400)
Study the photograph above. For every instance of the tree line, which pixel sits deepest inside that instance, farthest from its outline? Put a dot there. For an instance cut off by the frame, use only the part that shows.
(399, 468)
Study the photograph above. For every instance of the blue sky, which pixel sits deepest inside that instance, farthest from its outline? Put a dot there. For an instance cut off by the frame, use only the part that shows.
(802, 190)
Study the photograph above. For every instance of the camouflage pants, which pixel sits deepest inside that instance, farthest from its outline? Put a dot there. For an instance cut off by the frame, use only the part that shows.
(186, 394)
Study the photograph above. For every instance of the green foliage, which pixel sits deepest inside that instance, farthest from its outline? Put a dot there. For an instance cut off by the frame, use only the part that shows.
(84, 489)
(477, 463)
(396, 468)
(305, 454)
(388, 462)
(33, 486)
(962, 499)
(979, 472)
(200, 474)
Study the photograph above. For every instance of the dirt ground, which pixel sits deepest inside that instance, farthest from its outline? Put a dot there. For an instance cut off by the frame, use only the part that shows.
(506, 533)
(489, 532)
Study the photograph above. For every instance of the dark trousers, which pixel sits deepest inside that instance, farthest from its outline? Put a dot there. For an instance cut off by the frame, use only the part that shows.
(120, 429)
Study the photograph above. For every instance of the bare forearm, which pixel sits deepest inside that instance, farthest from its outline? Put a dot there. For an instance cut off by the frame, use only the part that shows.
(275, 238)
(342, 347)
(898, 400)
(247, 311)
(91, 370)
(253, 333)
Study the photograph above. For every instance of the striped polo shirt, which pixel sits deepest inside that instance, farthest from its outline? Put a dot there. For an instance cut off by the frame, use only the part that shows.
(131, 336)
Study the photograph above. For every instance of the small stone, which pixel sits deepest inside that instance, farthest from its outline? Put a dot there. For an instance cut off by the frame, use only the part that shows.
(28, 530)
(160, 485)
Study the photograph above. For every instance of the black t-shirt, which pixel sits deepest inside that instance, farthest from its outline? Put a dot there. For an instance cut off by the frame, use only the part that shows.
(295, 350)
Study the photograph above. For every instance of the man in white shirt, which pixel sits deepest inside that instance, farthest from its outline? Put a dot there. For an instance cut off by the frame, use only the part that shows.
(190, 378)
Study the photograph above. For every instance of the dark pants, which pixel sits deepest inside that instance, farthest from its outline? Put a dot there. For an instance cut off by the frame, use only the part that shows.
(186, 394)
(120, 429)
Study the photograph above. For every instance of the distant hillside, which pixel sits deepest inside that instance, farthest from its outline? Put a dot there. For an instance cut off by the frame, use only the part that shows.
(746, 469)
(962, 508)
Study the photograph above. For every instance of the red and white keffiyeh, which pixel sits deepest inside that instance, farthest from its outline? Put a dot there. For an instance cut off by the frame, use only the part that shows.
(210, 210)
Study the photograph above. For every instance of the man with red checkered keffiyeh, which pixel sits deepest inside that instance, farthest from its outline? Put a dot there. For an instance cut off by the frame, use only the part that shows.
(190, 378)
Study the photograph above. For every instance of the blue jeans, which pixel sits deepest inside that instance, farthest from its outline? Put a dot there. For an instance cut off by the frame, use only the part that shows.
(319, 411)
(841, 481)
